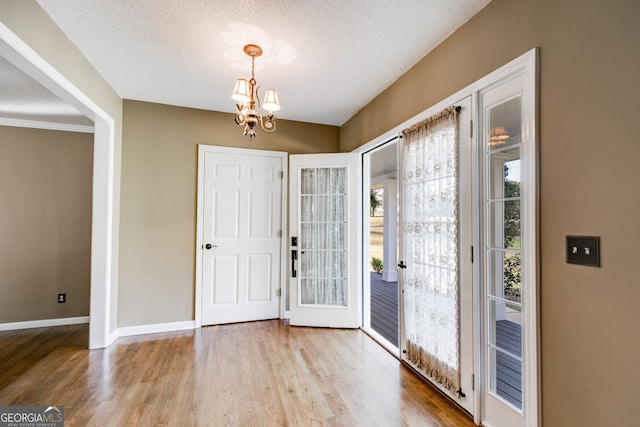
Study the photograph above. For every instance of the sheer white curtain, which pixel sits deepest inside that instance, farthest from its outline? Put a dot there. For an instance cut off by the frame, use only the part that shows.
(430, 250)
(323, 225)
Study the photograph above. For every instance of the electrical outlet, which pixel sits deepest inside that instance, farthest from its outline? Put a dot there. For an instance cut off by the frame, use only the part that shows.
(62, 298)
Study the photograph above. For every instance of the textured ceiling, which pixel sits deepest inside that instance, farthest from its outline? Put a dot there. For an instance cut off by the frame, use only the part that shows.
(23, 98)
(326, 58)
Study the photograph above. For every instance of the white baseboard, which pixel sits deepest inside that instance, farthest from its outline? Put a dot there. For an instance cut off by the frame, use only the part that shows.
(45, 323)
(128, 331)
(113, 336)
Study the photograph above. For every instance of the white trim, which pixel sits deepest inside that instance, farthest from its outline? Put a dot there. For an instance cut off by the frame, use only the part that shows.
(113, 336)
(365, 250)
(104, 237)
(202, 149)
(530, 266)
(389, 226)
(44, 323)
(381, 340)
(155, 328)
(199, 238)
(33, 124)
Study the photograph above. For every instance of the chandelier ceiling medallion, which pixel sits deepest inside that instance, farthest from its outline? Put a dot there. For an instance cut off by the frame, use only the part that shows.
(245, 93)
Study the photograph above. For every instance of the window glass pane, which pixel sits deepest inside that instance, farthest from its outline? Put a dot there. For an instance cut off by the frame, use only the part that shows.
(338, 181)
(322, 184)
(338, 213)
(504, 224)
(323, 236)
(505, 326)
(505, 275)
(504, 174)
(503, 124)
(307, 181)
(306, 208)
(506, 378)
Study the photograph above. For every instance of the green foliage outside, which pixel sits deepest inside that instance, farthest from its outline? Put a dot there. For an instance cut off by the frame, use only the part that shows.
(375, 201)
(376, 264)
(513, 262)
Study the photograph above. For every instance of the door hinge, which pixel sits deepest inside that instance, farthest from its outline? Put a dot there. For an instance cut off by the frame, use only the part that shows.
(471, 128)
(279, 233)
(473, 382)
(281, 174)
(472, 254)
(279, 292)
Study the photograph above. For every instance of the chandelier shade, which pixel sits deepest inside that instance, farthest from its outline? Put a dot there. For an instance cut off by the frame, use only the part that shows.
(241, 91)
(271, 102)
(498, 136)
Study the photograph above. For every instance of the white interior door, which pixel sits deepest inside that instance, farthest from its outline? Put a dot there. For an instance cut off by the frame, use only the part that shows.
(241, 229)
(323, 203)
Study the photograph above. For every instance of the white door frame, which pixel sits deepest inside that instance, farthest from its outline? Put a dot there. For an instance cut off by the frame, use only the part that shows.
(202, 149)
(526, 63)
(104, 235)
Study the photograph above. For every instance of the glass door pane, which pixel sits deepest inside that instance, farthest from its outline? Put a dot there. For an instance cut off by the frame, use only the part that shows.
(323, 225)
(504, 251)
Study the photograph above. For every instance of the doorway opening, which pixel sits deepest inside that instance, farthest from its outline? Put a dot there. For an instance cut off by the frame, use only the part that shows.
(381, 314)
(104, 209)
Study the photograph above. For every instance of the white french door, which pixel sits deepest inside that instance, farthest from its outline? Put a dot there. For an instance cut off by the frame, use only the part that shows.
(241, 223)
(323, 217)
(436, 237)
(509, 244)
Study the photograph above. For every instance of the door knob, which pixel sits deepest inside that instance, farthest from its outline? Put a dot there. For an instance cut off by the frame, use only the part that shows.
(209, 246)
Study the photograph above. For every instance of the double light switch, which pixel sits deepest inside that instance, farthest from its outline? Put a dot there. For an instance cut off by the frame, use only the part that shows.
(583, 250)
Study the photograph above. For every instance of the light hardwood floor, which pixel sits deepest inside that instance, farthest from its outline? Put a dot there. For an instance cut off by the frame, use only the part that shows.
(247, 374)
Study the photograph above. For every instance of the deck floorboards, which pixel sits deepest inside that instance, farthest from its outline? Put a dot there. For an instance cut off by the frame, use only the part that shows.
(384, 308)
(509, 369)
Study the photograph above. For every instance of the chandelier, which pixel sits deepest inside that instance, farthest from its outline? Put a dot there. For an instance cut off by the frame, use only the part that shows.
(245, 93)
(498, 136)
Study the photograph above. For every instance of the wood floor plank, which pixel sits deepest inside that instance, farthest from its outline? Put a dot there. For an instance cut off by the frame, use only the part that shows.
(247, 374)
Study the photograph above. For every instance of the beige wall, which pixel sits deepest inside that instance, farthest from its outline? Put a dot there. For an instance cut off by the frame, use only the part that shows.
(32, 25)
(159, 184)
(589, 177)
(45, 223)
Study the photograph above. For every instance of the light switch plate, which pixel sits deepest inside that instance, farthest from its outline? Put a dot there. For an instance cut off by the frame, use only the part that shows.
(583, 250)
